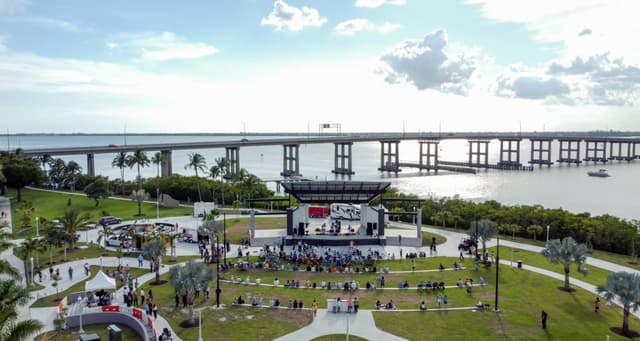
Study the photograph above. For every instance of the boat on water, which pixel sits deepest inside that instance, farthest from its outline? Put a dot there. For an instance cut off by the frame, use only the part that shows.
(601, 173)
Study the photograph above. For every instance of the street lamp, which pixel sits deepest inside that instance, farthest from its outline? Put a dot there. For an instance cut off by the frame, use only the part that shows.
(31, 277)
(224, 228)
(81, 331)
(218, 291)
(547, 244)
(200, 325)
(497, 268)
(37, 227)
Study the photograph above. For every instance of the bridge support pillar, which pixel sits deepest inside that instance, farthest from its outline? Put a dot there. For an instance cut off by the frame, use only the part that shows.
(541, 152)
(91, 165)
(636, 150)
(479, 152)
(291, 160)
(389, 156)
(233, 162)
(342, 161)
(620, 153)
(569, 151)
(166, 169)
(596, 151)
(510, 153)
(428, 158)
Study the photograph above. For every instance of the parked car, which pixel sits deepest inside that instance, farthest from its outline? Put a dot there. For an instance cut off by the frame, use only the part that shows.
(116, 241)
(109, 220)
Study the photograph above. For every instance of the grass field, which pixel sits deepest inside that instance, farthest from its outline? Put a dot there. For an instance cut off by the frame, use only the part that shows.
(238, 228)
(51, 205)
(82, 251)
(596, 276)
(99, 329)
(53, 300)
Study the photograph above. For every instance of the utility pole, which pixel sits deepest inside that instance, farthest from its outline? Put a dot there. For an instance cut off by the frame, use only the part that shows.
(218, 291)
(497, 269)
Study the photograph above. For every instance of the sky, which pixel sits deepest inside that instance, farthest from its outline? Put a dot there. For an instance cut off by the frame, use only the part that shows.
(288, 66)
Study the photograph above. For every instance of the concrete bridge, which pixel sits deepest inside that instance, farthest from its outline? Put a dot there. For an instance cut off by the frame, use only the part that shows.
(598, 147)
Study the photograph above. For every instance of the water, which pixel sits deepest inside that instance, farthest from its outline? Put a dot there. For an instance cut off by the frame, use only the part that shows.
(559, 186)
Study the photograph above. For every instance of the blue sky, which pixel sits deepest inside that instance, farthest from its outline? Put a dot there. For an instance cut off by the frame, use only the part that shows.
(214, 66)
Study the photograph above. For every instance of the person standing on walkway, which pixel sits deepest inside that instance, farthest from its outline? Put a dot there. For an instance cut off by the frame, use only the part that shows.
(86, 269)
(543, 317)
(140, 259)
(155, 311)
(141, 296)
(314, 308)
(70, 273)
(356, 305)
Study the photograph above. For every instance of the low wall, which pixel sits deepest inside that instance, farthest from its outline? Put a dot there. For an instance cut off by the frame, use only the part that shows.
(102, 317)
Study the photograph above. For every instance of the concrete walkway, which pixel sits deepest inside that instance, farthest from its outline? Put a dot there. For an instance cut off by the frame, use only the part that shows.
(361, 324)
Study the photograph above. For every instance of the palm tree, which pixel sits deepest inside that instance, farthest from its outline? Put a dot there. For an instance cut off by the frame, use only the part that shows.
(154, 250)
(197, 162)
(57, 169)
(483, 230)
(139, 159)
(210, 226)
(534, 230)
(73, 220)
(625, 287)
(72, 172)
(27, 249)
(566, 252)
(157, 160)
(189, 278)
(5, 267)
(222, 164)
(13, 294)
(120, 161)
(105, 233)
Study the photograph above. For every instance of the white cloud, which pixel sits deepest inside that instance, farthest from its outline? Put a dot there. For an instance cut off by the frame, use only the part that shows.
(13, 7)
(49, 23)
(292, 18)
(349, 27)
(425, 64)
(531, 87)
(388, 27)
(378, 3)
(551, 21)
(353, 26)
(158, 47)
(585, 32)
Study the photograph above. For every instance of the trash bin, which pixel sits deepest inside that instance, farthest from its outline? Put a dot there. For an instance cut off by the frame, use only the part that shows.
(519, 264)
(115, 333)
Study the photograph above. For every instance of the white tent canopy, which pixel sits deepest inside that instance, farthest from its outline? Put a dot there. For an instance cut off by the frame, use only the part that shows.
(100, 281)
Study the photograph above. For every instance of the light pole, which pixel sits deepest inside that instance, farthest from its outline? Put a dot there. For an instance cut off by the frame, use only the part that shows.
(497, 269)
(81, 331)
(547, 244)
(224, 228)
(218, 291)
(37, 227)
(31, 276)
(200, 325)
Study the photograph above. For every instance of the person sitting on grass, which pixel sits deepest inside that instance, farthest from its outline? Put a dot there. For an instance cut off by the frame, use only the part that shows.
(481, 281)
(378, 305)
(423, 307)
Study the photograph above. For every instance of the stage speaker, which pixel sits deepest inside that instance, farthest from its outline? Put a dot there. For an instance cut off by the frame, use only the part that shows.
(369, 229)
(375, 225)
(301, 229)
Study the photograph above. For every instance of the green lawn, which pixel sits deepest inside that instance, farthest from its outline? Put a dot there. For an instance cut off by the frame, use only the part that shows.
(238, 228)
(53, 300)
(51, 205)
(82, 251)
(100, 329)
(523, 295)
(596, 276)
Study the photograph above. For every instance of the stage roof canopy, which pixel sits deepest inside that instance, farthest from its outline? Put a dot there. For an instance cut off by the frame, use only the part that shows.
(346, 192)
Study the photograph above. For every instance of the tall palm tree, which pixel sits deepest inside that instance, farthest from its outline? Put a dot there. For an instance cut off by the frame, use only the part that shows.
(138, 159)
(120, 161)
(189, 278)
(27, 250)
(484, 230)
(625, 287)
(12, 294)
(10, 330)
(158, 160)
(566, 252)
(154, 250)
(72, 172)
(5, 267)
(197, 162)
(57, 169)
(222, 164)
(73, 220)
(210, 226)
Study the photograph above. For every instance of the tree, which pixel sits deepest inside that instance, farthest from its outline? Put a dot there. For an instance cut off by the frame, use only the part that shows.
(210, 226)
(120, 161)
(138, 159)
(97, 190)
(566, 252)
(104, 234)
(57, 169)
(26, 208)
(20, 171)
(28, 249)
(5, 267)
(534, 230)
(197, 162)
(73, 220)
(221, 166)
(625, 287)
(154, 250)
(72, 173)
(11, 294)
(189, 278)
(483, 230)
